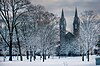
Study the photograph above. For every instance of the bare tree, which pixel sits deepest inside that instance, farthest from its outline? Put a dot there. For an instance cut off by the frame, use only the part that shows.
(29, 27)
(36, 26)
(48, 35)
(88, 31)
(43, 31)
(10, 10)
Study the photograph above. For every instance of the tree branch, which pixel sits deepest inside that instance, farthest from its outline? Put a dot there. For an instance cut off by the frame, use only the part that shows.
(5, 40)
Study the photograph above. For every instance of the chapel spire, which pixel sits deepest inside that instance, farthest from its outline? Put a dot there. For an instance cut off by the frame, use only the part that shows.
(76, 14)
(62, 14)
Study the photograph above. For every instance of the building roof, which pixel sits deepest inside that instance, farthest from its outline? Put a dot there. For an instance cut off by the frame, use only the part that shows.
(69, 35)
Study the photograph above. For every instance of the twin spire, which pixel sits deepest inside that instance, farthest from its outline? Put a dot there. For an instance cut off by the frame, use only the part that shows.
(76, 14)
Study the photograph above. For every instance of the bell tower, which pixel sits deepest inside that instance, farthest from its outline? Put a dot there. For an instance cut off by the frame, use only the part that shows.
(76, 24)
(62, 26)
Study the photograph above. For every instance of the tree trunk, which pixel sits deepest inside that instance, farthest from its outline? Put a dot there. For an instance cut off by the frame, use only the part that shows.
(34, 55)
(4, 57)
(48, 56)
(59, 56)
(40, 55)
(88, 52)
(20, 51)
(43, 56)
(88, 55)
(17, 54)
(18, 42)
(10, 47)
(83, 56)
(27, 54)
(59, 51)
(31, 54)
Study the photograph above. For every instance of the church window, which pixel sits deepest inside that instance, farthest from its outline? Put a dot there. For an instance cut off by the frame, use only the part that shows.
(75, 26)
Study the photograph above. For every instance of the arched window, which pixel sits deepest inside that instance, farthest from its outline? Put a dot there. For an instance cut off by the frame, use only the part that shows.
(76, 26)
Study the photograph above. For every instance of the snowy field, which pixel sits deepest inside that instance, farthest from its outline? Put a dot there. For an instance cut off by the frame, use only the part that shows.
(53, 61)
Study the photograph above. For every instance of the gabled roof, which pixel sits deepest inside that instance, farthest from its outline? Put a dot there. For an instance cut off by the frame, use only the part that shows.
(69, 35)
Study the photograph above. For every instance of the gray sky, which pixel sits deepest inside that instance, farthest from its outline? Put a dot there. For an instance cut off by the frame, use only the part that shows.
(55, 6)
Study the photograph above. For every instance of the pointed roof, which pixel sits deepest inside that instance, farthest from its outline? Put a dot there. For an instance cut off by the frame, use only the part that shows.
(69, 35)
(62, 14)
(76, 14)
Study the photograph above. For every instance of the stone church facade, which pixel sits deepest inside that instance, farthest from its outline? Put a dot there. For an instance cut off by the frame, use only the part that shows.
(68, 41)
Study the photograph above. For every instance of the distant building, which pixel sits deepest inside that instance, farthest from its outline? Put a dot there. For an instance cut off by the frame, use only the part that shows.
(68, 40)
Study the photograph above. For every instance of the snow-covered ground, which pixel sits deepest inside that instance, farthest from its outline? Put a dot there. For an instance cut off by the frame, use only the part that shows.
(68, 61)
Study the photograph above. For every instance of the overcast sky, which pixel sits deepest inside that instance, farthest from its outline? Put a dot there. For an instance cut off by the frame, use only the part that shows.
(55, 6)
